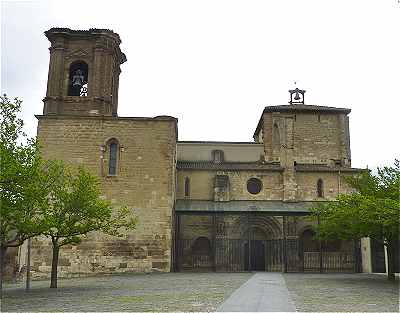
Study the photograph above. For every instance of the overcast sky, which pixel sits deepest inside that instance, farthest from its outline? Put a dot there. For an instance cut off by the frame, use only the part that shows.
(216, 64)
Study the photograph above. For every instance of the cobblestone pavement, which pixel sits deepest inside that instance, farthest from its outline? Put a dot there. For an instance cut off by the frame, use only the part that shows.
(128, 292)
(343, 292)
(199, 292)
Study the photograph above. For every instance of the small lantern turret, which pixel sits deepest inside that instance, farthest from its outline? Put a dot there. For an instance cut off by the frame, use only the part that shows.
(296, 96)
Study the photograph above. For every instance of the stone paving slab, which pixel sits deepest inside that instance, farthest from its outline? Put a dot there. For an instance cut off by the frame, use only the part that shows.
(264, 292)
(188, 292)
(343, 292)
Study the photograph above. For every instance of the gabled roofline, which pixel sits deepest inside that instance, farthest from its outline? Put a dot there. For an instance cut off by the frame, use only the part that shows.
(306, 108)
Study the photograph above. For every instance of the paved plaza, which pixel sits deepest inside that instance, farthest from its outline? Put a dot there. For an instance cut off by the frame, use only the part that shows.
(343, 292)
(208, 292)
(128, 292)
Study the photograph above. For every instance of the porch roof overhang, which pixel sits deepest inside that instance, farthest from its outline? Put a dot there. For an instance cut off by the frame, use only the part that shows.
(239, 206)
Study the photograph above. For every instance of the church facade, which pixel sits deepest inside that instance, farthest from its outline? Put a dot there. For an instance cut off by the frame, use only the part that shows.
(202, 206)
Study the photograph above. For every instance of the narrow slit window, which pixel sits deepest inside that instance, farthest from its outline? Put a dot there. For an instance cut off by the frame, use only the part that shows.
(112, 167)
(276, 137)
(187, 187)
(218, 156)
(320, 188)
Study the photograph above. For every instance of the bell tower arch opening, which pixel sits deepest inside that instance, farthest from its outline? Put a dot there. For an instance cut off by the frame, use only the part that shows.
(78, 79)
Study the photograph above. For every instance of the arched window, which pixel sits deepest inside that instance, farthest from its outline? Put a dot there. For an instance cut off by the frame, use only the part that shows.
(310, 244)
(320, 188)
(187, 187)
(218, 156)
(78, 79)
(202, 246)
(113, 157)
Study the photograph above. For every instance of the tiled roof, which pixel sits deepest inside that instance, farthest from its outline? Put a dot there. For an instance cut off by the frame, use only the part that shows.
(305, 108)
(210, 165)
(324, 168)
(221, 142)
(236, 206)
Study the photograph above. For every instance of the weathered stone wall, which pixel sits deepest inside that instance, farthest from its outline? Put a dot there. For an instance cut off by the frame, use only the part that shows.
(317, 138)
(333, 185)
(271, 185)
(202, 184)
(194, 226)
(305, 185)
(314, 138)
(305, 138)
(145, 181)
(232, 151)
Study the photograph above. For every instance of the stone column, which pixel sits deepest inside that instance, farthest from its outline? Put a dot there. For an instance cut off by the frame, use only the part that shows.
(267, 133)
(287, 161)
(115, 90)
(344, 139)
(97, 77)
(366, 255)
(56, 69)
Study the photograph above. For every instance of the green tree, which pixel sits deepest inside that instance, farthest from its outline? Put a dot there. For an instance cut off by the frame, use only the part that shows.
(75, 208)
(22, 183)
(372, 211)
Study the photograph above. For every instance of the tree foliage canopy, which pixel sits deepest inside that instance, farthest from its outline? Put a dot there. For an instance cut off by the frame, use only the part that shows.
(22, 185)
(372, 211)
(75, 207)
(47, 197)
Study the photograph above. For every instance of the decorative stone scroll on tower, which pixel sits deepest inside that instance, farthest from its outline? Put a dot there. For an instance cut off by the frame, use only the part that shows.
(83, 73)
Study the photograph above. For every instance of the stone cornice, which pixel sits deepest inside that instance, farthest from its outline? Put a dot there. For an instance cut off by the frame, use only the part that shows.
(299, 108)
(110, 118)
(228, 166)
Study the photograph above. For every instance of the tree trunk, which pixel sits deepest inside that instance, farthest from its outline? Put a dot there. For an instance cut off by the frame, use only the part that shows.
(3, 251)
(54, 264)
(390, 260)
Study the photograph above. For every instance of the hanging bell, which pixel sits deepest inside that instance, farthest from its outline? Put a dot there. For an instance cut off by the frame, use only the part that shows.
(297, 97)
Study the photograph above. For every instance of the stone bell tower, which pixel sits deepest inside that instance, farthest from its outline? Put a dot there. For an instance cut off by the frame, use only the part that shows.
(83, 72)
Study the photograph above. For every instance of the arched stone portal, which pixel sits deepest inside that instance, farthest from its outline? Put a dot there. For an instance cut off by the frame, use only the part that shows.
(254, 249)
(263, 227)
(259, 232)
(202, 254)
